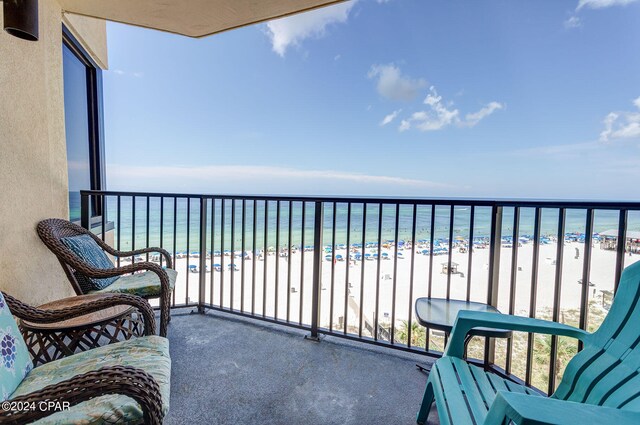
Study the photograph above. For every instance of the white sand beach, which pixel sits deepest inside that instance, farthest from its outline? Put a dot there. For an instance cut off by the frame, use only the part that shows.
(266, 292)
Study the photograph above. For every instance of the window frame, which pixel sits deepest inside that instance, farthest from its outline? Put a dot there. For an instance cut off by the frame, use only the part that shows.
(95, 119)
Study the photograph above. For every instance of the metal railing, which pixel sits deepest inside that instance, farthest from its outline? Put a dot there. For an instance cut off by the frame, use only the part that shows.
(353, 267)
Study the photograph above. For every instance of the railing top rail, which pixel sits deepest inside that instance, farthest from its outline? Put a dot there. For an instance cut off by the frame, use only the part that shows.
(523, 203)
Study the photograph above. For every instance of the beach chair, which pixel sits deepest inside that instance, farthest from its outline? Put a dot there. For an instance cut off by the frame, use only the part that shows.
(123, 382)
(83, 259)
(601, 384)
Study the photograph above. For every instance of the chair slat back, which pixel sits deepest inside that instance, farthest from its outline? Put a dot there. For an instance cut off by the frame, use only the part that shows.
(51, 231)
(606, 371)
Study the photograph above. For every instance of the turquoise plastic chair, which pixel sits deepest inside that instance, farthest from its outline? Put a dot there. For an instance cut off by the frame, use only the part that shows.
(600, 384)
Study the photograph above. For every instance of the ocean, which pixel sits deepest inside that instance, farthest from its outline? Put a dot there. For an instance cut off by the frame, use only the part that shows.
(574, 223)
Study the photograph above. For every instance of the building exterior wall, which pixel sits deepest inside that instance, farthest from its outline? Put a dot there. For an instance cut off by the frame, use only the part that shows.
(33, 163)
(92, 34)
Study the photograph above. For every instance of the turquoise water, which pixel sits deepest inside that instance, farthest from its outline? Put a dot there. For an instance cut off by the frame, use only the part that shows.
(575, 223)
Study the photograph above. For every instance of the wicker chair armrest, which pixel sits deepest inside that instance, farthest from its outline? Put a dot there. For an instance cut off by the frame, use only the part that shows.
(33, 314)
(117, 253)
(165, 288)
(161, 251)
(96, 273)
(124, 380)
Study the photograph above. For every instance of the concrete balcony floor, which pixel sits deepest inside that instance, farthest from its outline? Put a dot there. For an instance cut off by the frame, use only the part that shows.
(231, 370)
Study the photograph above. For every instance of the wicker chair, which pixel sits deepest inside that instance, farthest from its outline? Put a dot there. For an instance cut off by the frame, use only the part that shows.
(92, 382)
(52, 230)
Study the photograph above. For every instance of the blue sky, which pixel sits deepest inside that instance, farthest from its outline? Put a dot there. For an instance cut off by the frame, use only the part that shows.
(397, 98)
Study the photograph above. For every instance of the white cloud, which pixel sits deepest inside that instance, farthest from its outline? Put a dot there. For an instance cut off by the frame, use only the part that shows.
(393, 85)
(440, 115)
(388, 118)
(572, 22)
(137, 74)
(476, 117)
(404, 125)
(292, 30)
(224, 179)
(622, 124)
(437, 117)
(601, 4)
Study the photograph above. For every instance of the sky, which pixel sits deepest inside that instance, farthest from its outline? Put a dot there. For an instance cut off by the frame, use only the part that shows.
(407, 98)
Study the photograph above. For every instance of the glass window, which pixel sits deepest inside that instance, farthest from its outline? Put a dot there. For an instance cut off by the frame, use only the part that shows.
(83, 123)
(76, 116)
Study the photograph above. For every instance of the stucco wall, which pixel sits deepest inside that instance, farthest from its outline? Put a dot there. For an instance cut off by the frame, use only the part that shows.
(92, 34)
(33, 167)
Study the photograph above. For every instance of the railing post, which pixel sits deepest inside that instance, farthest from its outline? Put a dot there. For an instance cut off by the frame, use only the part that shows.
(317, 270)
(620, 247)
(203, 255)
(84, 210)
(494, 275)
(586, 272)
(494, 260)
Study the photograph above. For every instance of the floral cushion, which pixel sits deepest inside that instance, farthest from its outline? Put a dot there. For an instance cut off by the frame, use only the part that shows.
(89, 252)
(15, 360)
(148, 353)
(145, 284)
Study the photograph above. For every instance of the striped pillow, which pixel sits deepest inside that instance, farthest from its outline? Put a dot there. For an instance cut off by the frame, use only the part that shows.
(90, 252)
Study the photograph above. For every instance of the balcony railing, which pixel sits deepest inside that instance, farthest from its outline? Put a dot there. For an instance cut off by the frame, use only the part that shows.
(353, 267)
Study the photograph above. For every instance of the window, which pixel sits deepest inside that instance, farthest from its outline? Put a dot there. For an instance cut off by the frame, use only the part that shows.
(83, 123)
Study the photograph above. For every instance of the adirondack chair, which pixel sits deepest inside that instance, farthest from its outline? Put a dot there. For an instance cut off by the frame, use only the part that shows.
(600, 384)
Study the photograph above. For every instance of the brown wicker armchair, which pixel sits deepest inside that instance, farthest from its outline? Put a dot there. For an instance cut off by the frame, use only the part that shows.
(52, 230)
(115, 379)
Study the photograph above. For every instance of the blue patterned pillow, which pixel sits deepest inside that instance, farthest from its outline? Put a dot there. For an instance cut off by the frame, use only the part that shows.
(90, 252)
(15, 362)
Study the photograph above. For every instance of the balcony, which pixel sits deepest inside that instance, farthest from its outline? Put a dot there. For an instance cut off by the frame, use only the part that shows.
(300, 309)
(352, 268)
(228, 369)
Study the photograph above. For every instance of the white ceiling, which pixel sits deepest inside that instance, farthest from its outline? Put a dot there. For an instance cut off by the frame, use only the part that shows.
(193, 18)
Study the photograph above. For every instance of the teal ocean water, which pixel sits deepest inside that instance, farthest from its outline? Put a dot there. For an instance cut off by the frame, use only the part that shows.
(187, 223)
